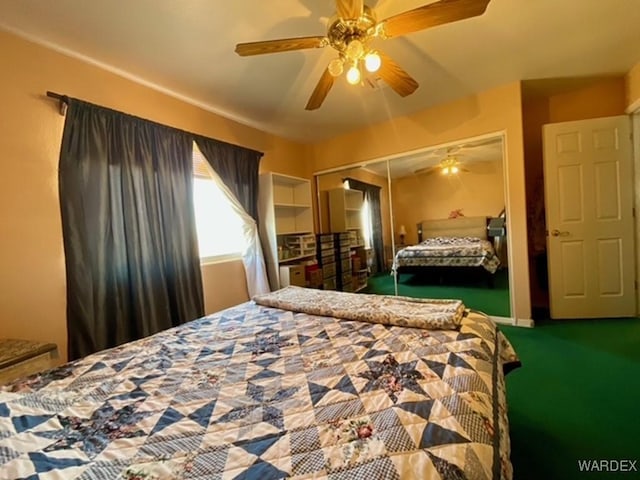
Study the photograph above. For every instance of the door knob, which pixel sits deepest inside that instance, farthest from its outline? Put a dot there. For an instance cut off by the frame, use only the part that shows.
(557, 233)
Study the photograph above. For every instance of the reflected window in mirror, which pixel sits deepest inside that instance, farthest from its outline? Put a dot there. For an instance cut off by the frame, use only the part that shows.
(367, 227)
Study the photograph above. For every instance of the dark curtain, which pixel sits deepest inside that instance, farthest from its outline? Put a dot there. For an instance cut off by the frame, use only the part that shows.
(372, 195)
(129, 228)
(238, 169)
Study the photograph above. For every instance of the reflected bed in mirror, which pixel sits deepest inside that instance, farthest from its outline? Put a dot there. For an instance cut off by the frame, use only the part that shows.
(454, 257)
(452, 243)
(422, 189)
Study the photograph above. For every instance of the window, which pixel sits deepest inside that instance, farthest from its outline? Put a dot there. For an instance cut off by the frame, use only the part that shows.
(367, 231)
(219, 227)
(365, 218)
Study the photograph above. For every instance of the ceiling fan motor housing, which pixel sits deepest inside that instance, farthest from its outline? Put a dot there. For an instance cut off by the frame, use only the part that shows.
(343, 31)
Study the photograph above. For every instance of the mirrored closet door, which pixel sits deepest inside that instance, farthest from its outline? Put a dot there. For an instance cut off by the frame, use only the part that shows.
(376, 216)
(449, 219)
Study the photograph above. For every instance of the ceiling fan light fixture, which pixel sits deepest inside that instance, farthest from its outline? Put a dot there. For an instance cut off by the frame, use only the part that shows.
(350, 32)
(372, 62)
(353, 75)
(449, 166)
(355, 49)
(336, 67)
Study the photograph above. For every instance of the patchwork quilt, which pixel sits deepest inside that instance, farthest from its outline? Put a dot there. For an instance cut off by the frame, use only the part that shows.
(257, 392)
(441, 314)
(449, 252)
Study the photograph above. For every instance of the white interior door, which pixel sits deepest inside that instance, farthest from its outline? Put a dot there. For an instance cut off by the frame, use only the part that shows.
(589, 203)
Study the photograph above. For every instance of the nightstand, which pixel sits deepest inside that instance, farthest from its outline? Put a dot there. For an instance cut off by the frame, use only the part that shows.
(497, 233)
(20, 358)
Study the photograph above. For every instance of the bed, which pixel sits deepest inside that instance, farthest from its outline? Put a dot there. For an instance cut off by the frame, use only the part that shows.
(359, 386)
(455, 244)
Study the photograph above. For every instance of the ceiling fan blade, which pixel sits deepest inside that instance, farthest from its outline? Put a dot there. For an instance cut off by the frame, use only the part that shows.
(431, 15)
(320, 92)
(281, 45)
(425, 170)
(403, 83)
(349, 9)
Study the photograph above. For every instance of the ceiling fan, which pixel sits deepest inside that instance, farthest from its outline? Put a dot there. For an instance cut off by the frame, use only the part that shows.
(448, 166)
(351, 31)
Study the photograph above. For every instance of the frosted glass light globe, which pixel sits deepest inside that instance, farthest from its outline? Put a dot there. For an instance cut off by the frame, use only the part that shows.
(353, 75)
(336, 67)
(355, 49)
(372, 62)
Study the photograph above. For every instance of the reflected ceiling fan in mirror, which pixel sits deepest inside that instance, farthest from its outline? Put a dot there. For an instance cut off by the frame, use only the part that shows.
(448, 166)
(351, 31)
(451, 166)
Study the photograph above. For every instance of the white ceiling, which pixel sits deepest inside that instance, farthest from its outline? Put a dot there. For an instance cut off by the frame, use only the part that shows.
(187, 47)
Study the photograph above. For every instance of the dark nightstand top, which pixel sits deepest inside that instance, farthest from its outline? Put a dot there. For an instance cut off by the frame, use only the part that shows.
(13, 351)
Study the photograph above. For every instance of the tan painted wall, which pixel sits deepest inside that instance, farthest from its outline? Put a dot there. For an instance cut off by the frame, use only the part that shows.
(632, 88)
(32, 280)
(224, 285)
(479, 192)
(600, 99)
(535, 113)
(495, 110)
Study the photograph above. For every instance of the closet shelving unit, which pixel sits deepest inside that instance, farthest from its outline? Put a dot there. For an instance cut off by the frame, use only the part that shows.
(345, 215)
(286, 219)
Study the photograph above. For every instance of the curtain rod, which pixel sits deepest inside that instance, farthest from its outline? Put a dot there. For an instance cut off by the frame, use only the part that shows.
(63, 99)
(64, 104)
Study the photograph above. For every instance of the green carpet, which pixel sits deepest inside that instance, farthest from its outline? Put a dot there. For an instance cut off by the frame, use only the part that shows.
(576, 397)
(473, 291)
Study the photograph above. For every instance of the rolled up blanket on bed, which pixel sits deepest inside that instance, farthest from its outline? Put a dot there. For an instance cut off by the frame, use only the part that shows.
(433, 314)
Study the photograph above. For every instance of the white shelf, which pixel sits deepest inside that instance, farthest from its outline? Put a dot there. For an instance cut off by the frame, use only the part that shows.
(292, 232)
(293, 259)
(290, 205)
(345, 207)
(285, 209)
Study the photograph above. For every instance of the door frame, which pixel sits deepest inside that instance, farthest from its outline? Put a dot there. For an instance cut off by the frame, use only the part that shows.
(635, 129)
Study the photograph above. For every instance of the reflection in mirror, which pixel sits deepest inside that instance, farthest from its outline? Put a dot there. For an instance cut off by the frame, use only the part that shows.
(354, 222)
(448, 206)
(446, 193)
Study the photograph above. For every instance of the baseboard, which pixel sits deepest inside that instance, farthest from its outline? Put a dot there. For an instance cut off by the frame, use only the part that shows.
(525, 322)
(517, 322)
(503, 320)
